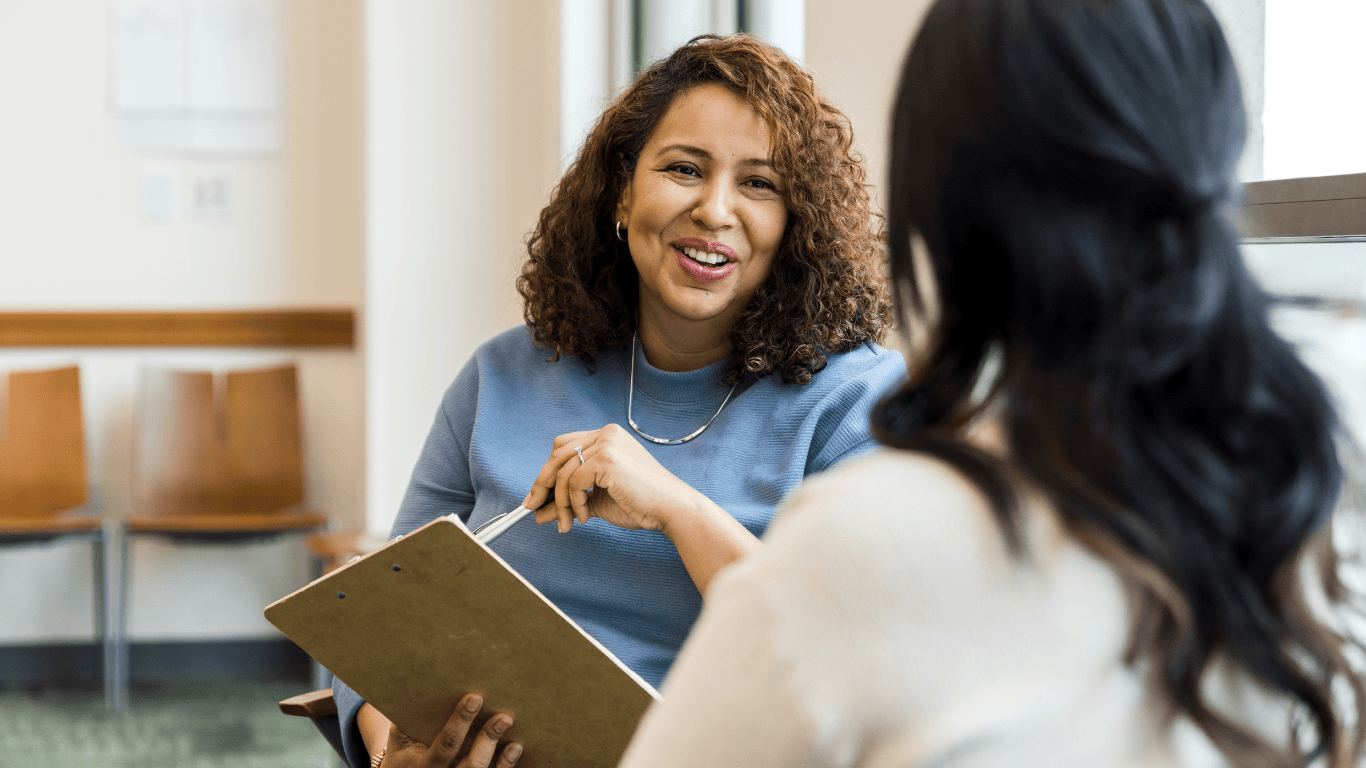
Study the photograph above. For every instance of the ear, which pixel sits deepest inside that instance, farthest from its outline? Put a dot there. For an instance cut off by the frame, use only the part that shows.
(624, 204)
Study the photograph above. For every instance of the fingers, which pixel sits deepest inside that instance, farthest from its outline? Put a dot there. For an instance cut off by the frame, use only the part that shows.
(510, 754)
(570, 454)
(578, 501)
(563, 510)
(575, 481)
(441, 753)
(486, 743)
(561, 449)
(546, 514)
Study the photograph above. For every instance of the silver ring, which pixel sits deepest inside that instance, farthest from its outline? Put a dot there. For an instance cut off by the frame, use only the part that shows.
(579, 451)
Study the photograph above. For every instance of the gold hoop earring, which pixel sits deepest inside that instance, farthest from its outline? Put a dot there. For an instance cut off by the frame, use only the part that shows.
(619, 235)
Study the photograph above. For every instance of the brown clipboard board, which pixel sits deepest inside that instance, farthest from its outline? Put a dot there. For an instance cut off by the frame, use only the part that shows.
(414, 625)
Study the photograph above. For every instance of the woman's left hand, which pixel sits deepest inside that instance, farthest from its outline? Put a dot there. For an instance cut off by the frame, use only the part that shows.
(630, 489)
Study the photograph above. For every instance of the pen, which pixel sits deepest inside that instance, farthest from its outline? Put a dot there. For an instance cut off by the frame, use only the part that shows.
(495, 526)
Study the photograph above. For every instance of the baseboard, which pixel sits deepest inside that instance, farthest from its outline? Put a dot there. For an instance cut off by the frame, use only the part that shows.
(81, 664)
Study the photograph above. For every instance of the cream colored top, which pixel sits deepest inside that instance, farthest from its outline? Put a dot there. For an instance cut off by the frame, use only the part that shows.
(885, 625)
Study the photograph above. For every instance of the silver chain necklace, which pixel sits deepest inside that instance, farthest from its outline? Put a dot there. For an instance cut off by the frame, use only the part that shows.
(630, 396)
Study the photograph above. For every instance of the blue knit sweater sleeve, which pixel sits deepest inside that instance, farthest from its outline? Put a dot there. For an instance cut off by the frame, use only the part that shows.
(854, 383)
(441, 482)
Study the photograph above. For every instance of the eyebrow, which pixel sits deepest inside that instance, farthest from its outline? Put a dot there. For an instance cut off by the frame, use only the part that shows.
(764, 163)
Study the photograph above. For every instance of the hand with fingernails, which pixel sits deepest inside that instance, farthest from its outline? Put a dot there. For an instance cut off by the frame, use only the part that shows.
(403, 752)
(608, 474)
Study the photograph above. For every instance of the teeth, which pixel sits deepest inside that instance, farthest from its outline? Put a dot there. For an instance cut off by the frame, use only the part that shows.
(704, 257)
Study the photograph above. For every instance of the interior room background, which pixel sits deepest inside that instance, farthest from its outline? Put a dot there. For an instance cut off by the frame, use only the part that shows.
(413, 144)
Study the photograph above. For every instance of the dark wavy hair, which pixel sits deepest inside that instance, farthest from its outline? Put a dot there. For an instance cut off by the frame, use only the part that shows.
(826, 291)
(1069, 167)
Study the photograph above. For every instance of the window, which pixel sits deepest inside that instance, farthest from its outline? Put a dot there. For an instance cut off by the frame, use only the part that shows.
(604, 43)
(660, 26)
(1313, 116)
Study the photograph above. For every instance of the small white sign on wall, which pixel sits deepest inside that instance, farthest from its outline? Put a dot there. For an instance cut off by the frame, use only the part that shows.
(197, 75)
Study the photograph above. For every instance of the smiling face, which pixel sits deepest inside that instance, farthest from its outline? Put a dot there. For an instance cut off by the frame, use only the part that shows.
(704, 213)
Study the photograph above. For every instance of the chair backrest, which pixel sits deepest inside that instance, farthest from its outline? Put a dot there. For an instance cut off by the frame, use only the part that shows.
(42, 443)
(218, 443)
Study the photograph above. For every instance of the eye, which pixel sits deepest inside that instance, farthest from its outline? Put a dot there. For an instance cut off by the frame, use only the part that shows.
(761, 184)
(687, 169)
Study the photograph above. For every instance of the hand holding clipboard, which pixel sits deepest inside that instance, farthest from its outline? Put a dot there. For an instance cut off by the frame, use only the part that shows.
(415, 625)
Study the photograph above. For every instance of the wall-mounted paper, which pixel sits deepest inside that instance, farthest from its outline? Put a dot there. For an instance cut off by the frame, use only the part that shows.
(150, 56)
(197, 75)
(234, 56)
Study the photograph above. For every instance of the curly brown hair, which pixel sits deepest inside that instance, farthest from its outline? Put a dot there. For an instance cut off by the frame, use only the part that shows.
(826, 291)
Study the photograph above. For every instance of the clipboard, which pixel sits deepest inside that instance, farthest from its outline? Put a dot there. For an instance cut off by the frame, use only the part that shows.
(417, 623)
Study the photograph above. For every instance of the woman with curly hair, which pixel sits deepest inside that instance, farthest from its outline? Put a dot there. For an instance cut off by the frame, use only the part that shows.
(1118, 552)
(703, 297)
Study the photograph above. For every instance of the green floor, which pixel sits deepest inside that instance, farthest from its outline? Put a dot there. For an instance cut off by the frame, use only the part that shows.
(216, 724)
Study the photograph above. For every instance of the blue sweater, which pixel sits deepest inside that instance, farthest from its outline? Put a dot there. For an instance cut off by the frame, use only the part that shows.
(628, 589)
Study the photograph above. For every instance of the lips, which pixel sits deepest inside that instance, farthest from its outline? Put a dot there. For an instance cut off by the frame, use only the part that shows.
(707, 246)
(707, 251)
(703, 273)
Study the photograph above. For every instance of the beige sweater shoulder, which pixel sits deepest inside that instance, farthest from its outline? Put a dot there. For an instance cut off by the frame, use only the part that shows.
(885, 625)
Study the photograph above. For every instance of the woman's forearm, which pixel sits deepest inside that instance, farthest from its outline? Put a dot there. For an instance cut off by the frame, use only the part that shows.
(373, 727)
(708, 539)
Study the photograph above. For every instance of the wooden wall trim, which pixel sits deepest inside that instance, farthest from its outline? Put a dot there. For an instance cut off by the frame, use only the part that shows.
(1347, 186)
(247, 328)
(1317, 207)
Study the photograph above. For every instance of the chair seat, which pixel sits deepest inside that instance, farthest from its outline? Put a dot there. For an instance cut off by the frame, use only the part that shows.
(311, 704)
(246, 522)
(334, 548)
(26, 526)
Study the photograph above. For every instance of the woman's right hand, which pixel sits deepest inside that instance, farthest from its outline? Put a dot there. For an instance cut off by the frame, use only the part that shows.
(403, 752)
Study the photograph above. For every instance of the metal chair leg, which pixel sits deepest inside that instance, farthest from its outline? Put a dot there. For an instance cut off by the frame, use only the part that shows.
(98, 548)
(116, 593)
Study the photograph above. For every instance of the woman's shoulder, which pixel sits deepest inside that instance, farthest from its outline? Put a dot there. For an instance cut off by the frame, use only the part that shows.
(513, 344)
(507, 358)
(512, 365)
(891, 505)
(867, 359)
(889, 488)
(917, 510)
(514, 352)
(861, 374)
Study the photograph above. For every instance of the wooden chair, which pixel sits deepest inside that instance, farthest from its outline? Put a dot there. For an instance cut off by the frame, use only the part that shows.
(321, 709)
(217, 458)
(42, 479)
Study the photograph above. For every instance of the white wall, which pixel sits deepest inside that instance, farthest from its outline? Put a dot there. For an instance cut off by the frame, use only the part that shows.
(71, 237)
(462, 150)
(855, 52)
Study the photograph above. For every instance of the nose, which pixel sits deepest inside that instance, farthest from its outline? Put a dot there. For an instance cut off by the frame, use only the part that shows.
(715, 208)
